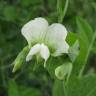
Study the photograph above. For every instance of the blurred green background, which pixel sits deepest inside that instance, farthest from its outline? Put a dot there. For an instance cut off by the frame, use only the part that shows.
(13, 15)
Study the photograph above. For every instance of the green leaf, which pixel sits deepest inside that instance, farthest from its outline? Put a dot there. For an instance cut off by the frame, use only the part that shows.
(84, 29)
(13, 89)
(27, 91)
(19, 90)
(71, 38)
(85, 86)
(86, 40)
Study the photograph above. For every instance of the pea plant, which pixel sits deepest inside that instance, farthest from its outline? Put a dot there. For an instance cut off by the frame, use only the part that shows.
(62, 53)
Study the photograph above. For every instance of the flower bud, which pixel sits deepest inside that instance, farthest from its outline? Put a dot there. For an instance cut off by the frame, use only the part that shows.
(63, 71)
(20, 59)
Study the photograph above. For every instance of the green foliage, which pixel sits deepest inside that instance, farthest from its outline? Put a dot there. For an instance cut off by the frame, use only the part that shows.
(13, 89)
(84, 86)
(17, 90)
(10, 13)
(62, 9)
(86, 40)
(58, 88)
(37, 81)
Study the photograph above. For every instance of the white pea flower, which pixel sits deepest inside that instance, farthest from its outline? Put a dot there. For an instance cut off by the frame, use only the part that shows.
(45, 39)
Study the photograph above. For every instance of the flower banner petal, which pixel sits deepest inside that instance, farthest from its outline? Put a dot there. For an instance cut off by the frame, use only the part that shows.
(56, 36)
(35, 30)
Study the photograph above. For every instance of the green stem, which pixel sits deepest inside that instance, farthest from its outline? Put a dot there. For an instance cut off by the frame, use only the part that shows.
(64, 87)
(65, 9)
(62, 12)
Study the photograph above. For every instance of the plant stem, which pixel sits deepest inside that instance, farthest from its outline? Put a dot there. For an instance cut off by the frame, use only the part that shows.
(62, 12)
(64, 87)
(65, 9)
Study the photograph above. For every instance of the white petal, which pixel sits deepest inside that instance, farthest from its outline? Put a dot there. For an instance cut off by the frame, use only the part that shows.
(35, 29)
(34, 50)
(44, 52)
(63, 47)
(56, 36)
